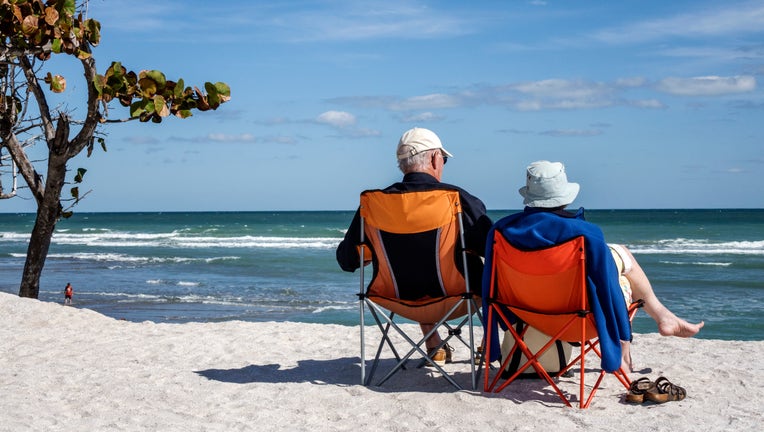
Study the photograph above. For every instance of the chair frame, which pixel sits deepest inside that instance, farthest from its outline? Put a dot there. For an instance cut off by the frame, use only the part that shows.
(576, 318)
(385, 319)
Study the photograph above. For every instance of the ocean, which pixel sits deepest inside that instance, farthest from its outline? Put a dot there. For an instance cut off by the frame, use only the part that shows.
(280, 266)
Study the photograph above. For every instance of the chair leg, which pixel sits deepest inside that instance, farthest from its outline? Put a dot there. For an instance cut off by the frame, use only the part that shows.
(417, 346)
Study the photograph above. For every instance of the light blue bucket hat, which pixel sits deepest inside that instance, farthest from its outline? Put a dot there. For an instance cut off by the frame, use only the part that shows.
(547, 185)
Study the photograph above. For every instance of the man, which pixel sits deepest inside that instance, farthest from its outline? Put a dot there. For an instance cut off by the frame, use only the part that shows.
(68, 293)
(421, 158)
(544, 222)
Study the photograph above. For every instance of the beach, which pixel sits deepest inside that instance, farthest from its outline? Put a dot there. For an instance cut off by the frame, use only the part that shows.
(70, 369)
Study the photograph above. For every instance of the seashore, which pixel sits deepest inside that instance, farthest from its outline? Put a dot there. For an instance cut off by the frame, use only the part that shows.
(65, 368)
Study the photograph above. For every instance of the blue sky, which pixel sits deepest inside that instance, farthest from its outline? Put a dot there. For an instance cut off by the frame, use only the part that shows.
(650, 104)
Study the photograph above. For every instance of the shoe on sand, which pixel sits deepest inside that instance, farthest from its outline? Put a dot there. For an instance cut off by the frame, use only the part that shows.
(665, 391)
(638, 389)
(442, 355)
(478, 355)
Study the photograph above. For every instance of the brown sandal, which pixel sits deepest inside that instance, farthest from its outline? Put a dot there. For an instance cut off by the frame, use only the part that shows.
(665, 391)
(638, 389)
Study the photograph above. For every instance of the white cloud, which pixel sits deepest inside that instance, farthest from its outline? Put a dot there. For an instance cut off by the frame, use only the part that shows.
(221, 137)
(560, 94)
(364, 133)
(647, 103)
(336, 118)
(141, 139)
(279, 139)
(707, 86)
(437, 100)
(630, 82)
(555, 94)
(422, 117)
(720, 21)
(572, 132)
(562, 89)
(341, 20)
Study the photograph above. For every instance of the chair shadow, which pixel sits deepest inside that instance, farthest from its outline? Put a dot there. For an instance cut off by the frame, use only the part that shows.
(536, 389)
(530, 390)
(334, 371)
(344, 371)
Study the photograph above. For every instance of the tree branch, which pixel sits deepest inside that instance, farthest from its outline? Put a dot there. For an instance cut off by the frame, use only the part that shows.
(33, 180)
(42, 102)
(93, 118)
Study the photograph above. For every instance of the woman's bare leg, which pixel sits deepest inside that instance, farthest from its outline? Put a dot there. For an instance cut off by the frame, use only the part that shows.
(668, 323)
(626, 363)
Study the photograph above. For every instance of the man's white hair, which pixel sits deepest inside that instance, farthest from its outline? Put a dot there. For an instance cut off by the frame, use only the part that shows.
(416, 163)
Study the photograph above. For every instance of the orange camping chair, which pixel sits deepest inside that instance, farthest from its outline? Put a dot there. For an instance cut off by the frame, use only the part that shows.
(415, 242)
(546, 289)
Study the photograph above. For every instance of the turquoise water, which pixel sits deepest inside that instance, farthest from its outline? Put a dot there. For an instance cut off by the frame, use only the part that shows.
(277, 266)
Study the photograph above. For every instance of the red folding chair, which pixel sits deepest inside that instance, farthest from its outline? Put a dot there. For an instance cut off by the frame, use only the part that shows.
(545, 288)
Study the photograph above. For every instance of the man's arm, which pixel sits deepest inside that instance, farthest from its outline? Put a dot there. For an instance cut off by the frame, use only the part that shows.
(477, 224)
(347, 250)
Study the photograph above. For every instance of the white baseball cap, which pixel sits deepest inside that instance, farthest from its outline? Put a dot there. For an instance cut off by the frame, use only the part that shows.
(417, 140)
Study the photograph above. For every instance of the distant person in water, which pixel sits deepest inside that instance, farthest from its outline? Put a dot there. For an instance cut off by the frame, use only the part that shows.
(614, 274)
(68, 293)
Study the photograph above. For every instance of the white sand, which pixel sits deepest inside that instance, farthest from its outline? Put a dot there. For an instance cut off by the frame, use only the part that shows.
(70, 369)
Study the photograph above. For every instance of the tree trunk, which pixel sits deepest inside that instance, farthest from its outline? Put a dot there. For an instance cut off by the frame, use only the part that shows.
(48, 214)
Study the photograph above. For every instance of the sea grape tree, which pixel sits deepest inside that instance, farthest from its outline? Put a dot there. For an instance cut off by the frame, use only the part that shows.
(32, 32)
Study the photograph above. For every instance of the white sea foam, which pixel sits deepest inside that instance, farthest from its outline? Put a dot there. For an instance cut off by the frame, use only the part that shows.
(699, 263)
(336, 307)
(118, 257)
(169, 282)
(130, 259)
(699, 247)
(178, 239)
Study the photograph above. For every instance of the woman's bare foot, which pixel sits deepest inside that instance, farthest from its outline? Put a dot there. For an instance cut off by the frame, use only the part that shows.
(675, 326)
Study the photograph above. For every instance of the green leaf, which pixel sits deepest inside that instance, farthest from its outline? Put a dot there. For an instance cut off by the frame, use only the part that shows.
(67, 6)
(158, 78)
(178, 90)
(57, 83)
(223, 90)
(80, 173)
(184, 113)
(98, 82)
(75, 193)
(102, 142)
(138, 108)
(93, 31)
(148, 87)
(160, 105)
(82, 55)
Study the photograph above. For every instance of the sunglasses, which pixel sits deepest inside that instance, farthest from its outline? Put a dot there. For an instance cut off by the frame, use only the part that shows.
(443, 155)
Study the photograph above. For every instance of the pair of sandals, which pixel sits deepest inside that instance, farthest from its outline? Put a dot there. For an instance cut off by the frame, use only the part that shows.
(660, 391)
